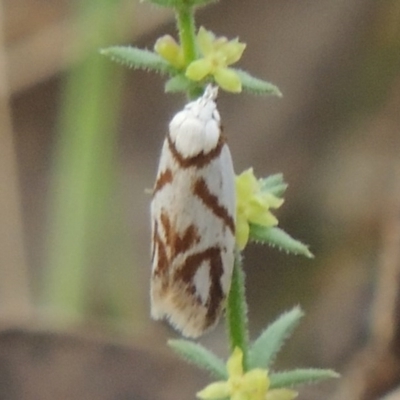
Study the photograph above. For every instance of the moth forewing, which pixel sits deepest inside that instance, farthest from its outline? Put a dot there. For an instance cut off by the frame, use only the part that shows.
(192, 216)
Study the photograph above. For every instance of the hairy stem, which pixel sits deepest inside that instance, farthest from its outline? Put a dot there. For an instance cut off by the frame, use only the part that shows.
(186, 29)
(236, 311)
(187, 35)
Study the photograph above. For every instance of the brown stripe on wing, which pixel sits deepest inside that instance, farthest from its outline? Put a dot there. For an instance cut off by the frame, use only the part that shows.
(200, 189)
(188, 270)
(177, 242)
(198, 161)
(163, 179)
(166, 225)
(184, 242)
(217, 295)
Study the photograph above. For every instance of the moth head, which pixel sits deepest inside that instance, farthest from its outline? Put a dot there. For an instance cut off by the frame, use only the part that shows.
(196, 129)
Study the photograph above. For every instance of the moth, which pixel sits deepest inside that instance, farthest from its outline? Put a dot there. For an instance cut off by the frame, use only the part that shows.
(193, 220)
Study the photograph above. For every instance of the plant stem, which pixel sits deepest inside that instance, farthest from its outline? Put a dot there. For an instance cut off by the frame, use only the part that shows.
(236, 311)
(186, 30)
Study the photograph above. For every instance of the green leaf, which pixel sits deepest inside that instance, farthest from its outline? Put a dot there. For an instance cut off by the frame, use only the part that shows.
(138, 58)
(274, 184)
(178, 83)
(256, 85)
(200, 356)
(265, 348)
(277, 237)
(180, 3)
(300, 377)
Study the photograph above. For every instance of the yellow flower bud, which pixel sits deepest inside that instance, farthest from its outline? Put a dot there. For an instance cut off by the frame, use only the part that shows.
(170, 50)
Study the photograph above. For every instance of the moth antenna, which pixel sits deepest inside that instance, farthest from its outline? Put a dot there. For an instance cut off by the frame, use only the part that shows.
(211, 92)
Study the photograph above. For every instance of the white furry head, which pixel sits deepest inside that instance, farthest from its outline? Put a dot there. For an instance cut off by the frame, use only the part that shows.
(196, 129)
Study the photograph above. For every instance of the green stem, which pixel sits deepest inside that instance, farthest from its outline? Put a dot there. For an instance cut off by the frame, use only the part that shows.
(186, 29)
(187, 37)
(236, 311)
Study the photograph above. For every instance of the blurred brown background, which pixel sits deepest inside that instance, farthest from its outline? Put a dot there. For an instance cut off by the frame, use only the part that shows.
(335, 135)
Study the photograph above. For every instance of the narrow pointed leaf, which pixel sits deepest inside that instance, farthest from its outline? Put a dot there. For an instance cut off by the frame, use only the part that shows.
(277, 237)
(274, 184)
(265, 348)
(256, 85)
(133, 57)
(200, 356)
(300, 377)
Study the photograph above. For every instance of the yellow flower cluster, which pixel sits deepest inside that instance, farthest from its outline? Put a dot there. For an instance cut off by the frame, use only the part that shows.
(252, 385)
(253, 206)
(217, 53)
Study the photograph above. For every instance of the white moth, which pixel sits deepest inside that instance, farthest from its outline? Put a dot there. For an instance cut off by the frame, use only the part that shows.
(193, 220)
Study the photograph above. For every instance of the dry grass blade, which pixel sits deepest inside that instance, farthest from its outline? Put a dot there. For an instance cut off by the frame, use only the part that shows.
(14, 292)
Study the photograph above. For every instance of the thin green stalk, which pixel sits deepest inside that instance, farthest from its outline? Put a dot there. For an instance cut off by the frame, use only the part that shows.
(187, 38)
(186, 29)
(236, 311)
